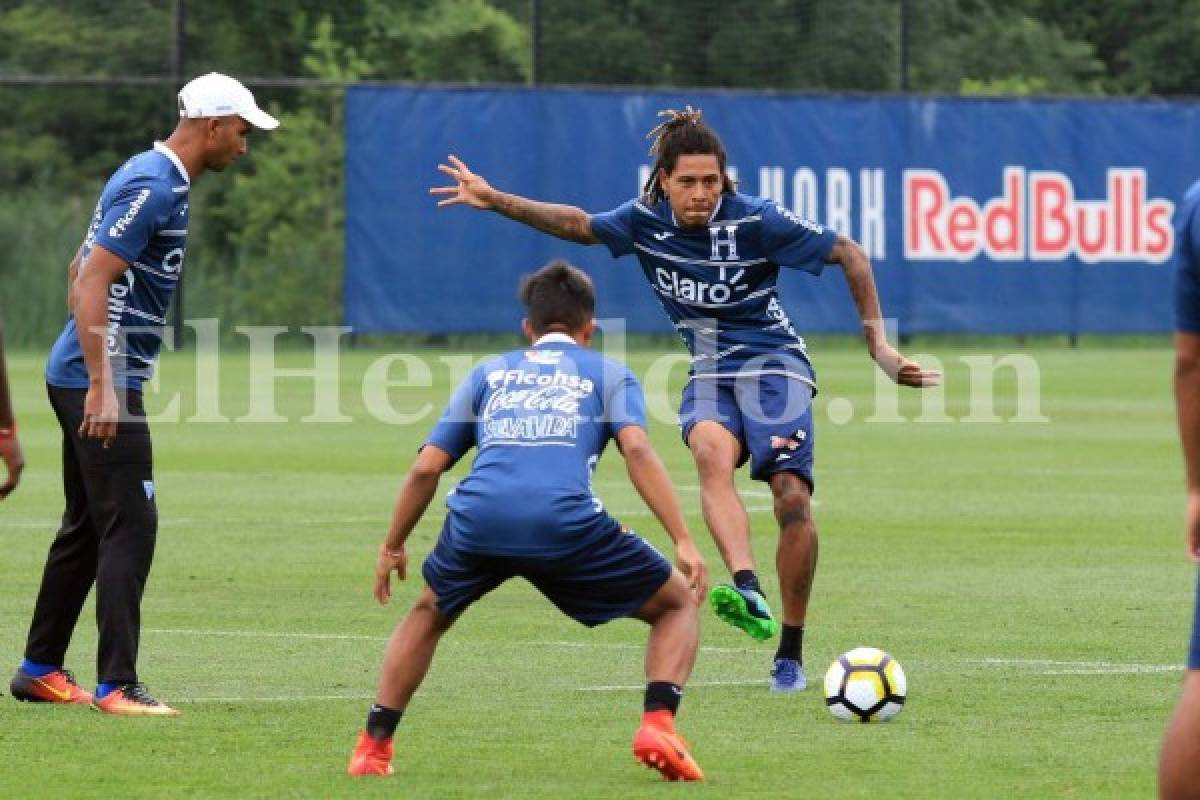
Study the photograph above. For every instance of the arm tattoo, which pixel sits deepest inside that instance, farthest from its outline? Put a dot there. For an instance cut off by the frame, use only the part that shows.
(565, 222)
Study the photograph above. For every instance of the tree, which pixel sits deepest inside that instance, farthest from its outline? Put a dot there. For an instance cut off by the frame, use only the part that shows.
(984, 47)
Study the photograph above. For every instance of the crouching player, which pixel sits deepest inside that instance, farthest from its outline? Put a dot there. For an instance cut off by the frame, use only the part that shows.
(540, 418)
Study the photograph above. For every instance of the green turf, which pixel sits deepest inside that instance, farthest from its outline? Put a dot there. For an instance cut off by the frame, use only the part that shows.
(1029, 576)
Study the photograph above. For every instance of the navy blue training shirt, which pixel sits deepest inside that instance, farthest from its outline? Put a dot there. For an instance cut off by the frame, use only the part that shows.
(540, 418)
(1187, 262)
(717, 281)
(142, 216)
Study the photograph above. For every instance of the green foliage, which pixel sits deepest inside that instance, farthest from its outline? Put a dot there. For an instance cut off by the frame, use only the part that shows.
(977, 47)
(58, 136)
(274, 251)
(39, 234)
(266, 241)
(466, 41)
(282, 260)
(1161, 58)
(778, 44)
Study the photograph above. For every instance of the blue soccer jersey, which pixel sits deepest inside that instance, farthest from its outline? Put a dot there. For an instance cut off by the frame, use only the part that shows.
(142, 217)
(540, 419)
(1187, 262)
(717, 282)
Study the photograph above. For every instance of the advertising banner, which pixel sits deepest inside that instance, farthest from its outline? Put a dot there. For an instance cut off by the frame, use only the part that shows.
(979, 215)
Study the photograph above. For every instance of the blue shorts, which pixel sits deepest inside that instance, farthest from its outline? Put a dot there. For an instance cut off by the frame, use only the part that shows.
(608, 577)
(1194, 651)
(770, 415)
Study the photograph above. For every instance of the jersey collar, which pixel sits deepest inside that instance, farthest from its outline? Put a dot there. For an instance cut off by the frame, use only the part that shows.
(711, 217)
(161, 147)
(555, 338)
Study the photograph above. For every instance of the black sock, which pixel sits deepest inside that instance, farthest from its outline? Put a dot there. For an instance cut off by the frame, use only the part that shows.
(791, 643)
(382, 722)
(746, 579)
(662, 694)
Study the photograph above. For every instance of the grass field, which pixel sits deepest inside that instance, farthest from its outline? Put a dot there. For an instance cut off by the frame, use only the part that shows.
(1028, 575)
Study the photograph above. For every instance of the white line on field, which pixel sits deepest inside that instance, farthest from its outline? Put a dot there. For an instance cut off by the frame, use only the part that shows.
(1045, 666)
(364, 638)
(1046, 662)
(265, 634)
(1040, 666)
(296, 698)
(1130, 669)
(55, 524)
(363, 696)
(691, 685)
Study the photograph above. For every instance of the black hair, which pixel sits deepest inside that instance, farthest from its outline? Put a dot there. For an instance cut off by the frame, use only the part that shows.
(683, 134)
(558, 296)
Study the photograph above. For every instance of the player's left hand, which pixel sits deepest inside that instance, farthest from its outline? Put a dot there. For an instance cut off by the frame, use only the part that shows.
(692, 565)
(903, 370)
(389, 561)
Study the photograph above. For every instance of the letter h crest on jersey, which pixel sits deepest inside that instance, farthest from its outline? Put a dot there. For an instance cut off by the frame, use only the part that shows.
(727, 242)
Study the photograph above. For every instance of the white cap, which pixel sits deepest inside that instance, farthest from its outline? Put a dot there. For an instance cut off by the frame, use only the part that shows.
(217, 95)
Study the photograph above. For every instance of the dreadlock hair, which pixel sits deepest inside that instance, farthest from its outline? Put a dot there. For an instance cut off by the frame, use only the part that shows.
(558, 295)
(683, 134)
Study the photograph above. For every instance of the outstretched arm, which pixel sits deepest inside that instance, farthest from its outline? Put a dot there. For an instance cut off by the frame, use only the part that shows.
(565, 222)
(650, 478)
(1187, 404)
(419, 488)
(857, 268)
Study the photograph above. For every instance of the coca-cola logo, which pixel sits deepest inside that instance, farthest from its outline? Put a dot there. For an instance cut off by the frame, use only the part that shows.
(561, 399)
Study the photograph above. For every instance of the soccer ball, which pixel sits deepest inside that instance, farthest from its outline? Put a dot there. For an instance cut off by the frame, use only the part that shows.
(865, 685)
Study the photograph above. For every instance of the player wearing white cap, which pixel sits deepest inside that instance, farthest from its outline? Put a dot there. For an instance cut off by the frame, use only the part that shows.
(120, 286)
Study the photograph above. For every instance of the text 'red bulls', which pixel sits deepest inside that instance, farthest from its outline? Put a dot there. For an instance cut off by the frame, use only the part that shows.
(1038, 218)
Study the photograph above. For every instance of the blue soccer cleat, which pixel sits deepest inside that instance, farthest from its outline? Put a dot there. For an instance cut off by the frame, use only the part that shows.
(788, 676)
(745, 609)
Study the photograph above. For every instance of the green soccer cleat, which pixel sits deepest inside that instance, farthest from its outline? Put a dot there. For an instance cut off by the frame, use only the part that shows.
(745, 609)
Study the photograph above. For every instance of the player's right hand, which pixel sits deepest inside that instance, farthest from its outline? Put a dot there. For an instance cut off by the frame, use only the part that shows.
(389, 561)
(692, 565)
(469, 189)
(100, 414)
(14, 463)
(1193, 526)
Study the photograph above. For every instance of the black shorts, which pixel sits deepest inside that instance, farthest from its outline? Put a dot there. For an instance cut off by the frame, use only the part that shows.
(607, 578)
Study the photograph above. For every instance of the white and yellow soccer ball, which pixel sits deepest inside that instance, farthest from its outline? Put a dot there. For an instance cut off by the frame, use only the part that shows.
(865, 685)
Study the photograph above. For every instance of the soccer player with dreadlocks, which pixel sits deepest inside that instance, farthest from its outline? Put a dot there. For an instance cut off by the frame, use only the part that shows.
(712, 255)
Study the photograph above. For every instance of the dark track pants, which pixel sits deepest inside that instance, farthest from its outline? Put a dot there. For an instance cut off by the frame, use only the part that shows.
(107, 538)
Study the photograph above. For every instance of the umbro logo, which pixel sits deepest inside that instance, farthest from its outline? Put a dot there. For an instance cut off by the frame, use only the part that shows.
(662, 237)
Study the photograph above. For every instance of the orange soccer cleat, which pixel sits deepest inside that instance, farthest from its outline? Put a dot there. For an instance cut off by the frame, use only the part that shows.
(54, 687)
(371, 757)
(658, 746)
(131, 700)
